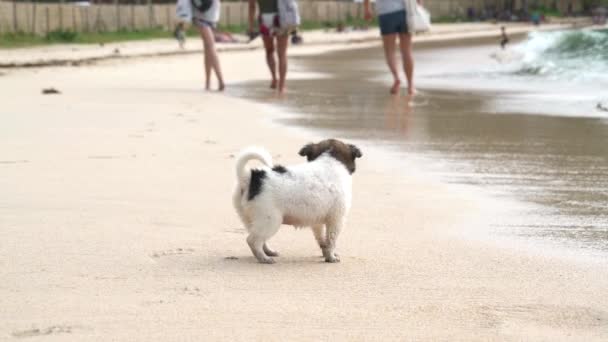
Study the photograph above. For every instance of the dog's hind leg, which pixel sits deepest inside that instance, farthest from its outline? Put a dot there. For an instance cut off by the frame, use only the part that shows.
(319, 231)
(269, 251)
(260, 231)
(333, 230)
(236, 203)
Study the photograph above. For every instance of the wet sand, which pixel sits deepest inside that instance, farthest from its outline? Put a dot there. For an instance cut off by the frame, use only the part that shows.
(116, 224)
(551, 169)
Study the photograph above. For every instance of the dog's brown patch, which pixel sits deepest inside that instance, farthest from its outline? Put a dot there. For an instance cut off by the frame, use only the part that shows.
(293, 221)
(290, 221)
(344, 153)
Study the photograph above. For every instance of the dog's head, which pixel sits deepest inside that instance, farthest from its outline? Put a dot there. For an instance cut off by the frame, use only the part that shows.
(344, 153)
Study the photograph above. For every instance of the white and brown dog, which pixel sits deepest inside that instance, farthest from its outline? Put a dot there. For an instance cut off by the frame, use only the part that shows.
(316, 194)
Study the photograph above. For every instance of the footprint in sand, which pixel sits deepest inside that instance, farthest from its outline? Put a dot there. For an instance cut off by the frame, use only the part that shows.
(188, 119)
(53, 330)
(153, 302)
(149, 127)
(185, 117)
(172, 252)
(14, 161)
(191, 291)
(236, 231)
(112, 157)
(277, 156)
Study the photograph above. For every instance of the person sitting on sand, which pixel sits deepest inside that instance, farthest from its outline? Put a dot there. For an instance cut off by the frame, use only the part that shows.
(206, 20)
(272, 35)
(505, 38)
(393, 25)
(224, 37)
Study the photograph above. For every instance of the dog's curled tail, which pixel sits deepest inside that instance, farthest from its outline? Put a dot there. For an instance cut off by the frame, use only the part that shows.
(251, 153)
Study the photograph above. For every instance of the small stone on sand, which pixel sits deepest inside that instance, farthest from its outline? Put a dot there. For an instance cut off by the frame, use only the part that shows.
(48, 91)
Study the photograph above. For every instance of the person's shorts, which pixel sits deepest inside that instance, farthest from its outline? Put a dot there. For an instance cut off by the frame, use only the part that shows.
(202, 22)
(270, 25)
(393, 22)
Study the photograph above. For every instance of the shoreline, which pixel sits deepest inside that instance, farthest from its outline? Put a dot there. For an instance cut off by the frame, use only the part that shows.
(118, 225)
(474, 195)
(86, 54)
(335, 122)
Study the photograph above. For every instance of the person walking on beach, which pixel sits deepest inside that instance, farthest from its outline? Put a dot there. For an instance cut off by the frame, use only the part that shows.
(275, 37)
(505, 39)
(393, 25)
(206, 14)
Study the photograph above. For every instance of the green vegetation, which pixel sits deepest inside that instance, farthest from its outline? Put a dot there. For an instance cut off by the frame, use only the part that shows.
(307, 25)
(546, 11)
(594, 3)
(349, 21)
(449, 19)
(21, 39)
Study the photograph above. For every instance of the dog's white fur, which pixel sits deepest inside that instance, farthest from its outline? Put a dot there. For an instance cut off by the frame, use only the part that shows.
(316, 194)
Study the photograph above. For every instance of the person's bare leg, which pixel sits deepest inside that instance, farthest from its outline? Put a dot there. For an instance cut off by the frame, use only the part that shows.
(388, 41)
(214, 62)
(270, 60)
(282, 42)
(206, 61)
(405, 42)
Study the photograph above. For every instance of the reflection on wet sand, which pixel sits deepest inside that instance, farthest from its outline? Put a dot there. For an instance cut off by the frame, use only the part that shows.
(397, 110)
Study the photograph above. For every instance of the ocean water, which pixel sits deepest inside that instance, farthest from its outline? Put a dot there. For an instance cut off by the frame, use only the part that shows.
(520, 125)
(579, 56)
(564, 72)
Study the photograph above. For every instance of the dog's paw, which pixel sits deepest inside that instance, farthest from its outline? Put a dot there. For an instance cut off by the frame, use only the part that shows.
(332, 258)
(267, 261)
(323, 255)
(271, 253)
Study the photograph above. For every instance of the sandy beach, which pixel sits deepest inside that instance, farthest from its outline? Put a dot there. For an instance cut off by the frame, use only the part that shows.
(116, 225)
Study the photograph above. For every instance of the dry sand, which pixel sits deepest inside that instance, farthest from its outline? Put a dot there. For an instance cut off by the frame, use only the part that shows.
(116, 225)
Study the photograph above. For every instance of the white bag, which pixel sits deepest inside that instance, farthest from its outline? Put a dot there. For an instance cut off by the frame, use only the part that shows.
(289, 15)
(418, 18)
(183, 11)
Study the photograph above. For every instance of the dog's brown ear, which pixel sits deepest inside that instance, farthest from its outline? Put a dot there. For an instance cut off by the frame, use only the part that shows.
(307, 150)
(355, 151)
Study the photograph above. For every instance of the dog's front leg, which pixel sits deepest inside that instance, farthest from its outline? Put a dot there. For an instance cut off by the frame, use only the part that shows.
(333, 228)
